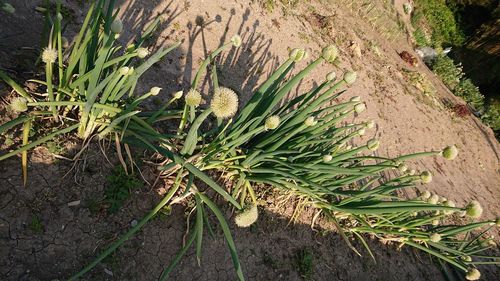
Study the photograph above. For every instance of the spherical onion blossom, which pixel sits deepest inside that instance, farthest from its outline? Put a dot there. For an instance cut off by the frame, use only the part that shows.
(49, 55)
(350, 77)
(124, 70)
(330, 53)
(474, 209)
(247, 217)
(193, 98)
(272, 122)
(236, 40)
(310, 121)
(331, 76)
(297, 54)
(327, 158)
(19, 104)
(450, 152)
(426, 177)
(177, 95)
(155, 91)
(425, 195)
(360, 107)
(473, 274)
(433, 199)
(142, 52)
(224, 103)
(435, 237)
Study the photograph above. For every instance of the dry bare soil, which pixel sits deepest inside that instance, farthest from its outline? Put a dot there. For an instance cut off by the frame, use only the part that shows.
(42, 238)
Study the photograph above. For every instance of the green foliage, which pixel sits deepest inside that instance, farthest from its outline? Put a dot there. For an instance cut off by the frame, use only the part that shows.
(36, 225)
(491, 117)
(440, 19)
(420, 38)
(448, 71)
(470, 93)
(303, 261)
(119, 188)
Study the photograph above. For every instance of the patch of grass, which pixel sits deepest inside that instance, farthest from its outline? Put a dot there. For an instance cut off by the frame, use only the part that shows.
(420, 38)
(120, 185)
(303, 260)
(36, 225)
(441, 20)
(449, 72)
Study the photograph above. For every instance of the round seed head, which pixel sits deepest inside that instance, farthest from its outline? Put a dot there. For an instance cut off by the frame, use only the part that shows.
(435, 237)
(177, 95)
(224, 103)
(426, 177)
(236, 40)
(19, 104)
(193, 98)
(370, 124)
(474, 209)
(350, 77)
(360, 107)
(361, 132)
(426, 195)
(247, 217)
(297, 54)
(310, 121)
(472, 274)
(433, 199)
(155, 91)
(331, 76)
(49, 55)
(435, 222)
(450, 152)
(124, 70)
(327, 158)
(466, 258)
(412, 172)
(142, 52)
(272, 122)
(330, 53)
(8, 8)
(373, 144)
(117, 26)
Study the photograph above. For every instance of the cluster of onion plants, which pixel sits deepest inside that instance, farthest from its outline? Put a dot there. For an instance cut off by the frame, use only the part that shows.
(302, 146)
(89, 83)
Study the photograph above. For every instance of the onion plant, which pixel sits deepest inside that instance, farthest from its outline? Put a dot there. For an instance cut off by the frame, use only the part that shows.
(89, 84)
(303, 146)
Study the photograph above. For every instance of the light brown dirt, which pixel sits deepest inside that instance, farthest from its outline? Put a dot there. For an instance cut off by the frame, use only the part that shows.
(407, 121)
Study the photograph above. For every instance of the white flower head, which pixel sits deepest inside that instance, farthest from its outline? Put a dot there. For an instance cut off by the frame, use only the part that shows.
(330, 53)
(310, 121)
(193, 98)
(247, 217)
(327, 158)
(360, 107)
(435, 237)
(142, 52)
(474, 209)
(297, 54)
(272, 122)
(155, 91)
(224, 103)
(370, 124)
(450, 152)
(434, 199)
(124, 70)
(425, 195)
(426, 177)
(473, 274)
(331, 76)
(177, 95)
(49, 55)
(19, 104)
(350, 77)
(236, 40)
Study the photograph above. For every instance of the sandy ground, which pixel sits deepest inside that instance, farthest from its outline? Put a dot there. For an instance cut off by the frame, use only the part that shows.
(408, 120)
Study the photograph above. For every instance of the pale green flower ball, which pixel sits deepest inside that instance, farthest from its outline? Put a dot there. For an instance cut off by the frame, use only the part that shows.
(327, 158)
(474, 209)
(155, 91)
(350, 77)
(142, 52)
(272, 122)
(124, 70)
(450, 152)
(426, 177)
(330, 53)
(435, 237)
(331, 76)
(473, 274)
(49, 55)
(297, 54)
(224, 103)
(177, 95)
(434, 199)
(425, 195)
(193, 98)
(370, 124)
(236, 40)
(19, 104)
(359, 107)
(310, 121)
(247, 217)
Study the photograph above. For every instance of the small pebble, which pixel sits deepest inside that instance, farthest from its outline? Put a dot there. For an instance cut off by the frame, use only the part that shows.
(133, 223)
(74, 203)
